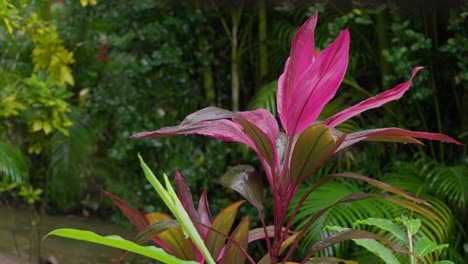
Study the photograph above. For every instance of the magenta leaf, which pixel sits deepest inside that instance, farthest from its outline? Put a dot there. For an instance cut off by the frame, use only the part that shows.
(185, 197)
(393, 134)
(204, 214)
(318, 84)
(374, 102)
(244, 180)
(301, 57)
(314, 146)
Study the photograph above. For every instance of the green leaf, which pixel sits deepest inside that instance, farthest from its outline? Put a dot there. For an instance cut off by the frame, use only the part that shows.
(444, 262)
(412, 224)
(314, 146)
(236, 247)
(386, 225)
(171, 200)
(378, 249)
(220, 228)
(244, 180)
(118, 242)
(425, 246)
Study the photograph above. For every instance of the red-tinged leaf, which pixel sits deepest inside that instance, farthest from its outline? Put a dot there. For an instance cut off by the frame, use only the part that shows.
(244, 180)
(259, 233)
(185, 197)
(262, 128)
(349, 234)
(137, 218)
(414, 207)
(221, 227)
(173, 240)
(204, 214)
(313, 147)
(318, 84)
(236, 247)
(393, 134)
(382, 185)
(374, 102)
(330, 260)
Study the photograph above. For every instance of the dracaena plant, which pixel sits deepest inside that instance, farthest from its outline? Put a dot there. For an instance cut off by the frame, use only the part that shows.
(309, 81)
(289, 157)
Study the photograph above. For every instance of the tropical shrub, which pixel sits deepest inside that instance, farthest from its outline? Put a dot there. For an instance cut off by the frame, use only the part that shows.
(309, 81)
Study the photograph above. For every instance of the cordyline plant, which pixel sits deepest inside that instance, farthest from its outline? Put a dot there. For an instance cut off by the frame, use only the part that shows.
(309, 81)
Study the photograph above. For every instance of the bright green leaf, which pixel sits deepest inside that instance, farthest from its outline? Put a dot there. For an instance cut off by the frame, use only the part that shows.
(386, 225)
(425, 246)
(118, 242)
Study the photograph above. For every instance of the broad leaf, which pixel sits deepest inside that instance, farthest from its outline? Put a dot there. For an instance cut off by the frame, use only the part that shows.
(244, 180)
(118, 242)
(236, 247)
(412, 225)
(137, 218)
(172, 239)
(222, 224)
(425, 246)
(314, 146)
(386, 225)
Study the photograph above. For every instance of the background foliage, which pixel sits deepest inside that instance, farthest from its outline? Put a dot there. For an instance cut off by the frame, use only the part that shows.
(77, 80)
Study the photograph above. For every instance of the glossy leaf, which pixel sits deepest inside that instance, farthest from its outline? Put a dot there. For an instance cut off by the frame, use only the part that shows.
(314, 145)
(137, 218)
(425, 246)
(118, 242)
(386, 225)
(172, 239)
(244, 180)
(222, 224)
(233, 254)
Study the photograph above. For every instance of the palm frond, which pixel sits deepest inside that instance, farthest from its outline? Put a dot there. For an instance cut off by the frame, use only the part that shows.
(265, 98)
(14, 165)
(451, 183)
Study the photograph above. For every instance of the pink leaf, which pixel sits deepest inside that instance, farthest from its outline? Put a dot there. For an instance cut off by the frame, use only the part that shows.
(302, 55)
(204, 214)
(185, 196)
(317, 84)
(373, 102)
(393, 135)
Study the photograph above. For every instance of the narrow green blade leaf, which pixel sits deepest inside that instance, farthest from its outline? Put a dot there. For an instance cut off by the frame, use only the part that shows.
(222, 224)
(244, 180)
(233, 254)
(118, 242)
(386, 225)
(314, 146)
(425, 246)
